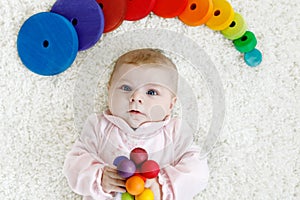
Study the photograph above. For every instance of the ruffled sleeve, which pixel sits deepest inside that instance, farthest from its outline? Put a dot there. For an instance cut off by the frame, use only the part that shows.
(83, 167)
(188, 174)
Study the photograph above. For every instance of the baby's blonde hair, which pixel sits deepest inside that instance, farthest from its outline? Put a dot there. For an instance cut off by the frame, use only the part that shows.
(143, 56)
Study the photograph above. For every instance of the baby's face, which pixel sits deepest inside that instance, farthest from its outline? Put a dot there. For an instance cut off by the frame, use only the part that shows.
(140, 94)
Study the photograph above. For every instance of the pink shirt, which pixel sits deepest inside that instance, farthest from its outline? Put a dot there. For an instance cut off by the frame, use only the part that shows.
(104, 137)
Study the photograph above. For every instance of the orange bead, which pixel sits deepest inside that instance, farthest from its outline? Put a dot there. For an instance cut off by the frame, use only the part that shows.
(197, 12)
(135, 185)
(222, 17)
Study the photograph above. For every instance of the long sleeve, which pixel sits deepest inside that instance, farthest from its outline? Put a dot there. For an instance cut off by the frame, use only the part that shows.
(83, 167)
(185, 179)
(189, 174)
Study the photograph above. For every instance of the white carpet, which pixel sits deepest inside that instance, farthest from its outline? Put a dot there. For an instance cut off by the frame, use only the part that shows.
(257, 154)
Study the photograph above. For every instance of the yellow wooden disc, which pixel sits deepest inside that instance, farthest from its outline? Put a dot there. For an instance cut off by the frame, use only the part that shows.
(223, 15)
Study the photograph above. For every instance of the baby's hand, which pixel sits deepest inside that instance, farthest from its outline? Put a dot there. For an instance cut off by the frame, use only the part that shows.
(155, 187)
(112, 181)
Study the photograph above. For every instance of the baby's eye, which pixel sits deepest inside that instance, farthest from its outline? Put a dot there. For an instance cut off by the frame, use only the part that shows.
(125, 88)
(152, 92)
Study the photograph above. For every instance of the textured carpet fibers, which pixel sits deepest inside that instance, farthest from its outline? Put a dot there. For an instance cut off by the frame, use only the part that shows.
(257, 153)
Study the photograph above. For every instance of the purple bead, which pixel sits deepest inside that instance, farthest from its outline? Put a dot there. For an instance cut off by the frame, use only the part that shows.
(87, 18)
(119, 159)
(126, 168)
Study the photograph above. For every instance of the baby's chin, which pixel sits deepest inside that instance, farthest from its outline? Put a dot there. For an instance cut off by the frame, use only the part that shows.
(134, 126)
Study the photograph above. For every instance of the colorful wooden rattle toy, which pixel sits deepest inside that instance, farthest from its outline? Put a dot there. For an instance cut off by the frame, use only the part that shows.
(136, 171)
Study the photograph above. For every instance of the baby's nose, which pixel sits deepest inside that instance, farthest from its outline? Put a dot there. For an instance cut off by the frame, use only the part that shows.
(136, 97)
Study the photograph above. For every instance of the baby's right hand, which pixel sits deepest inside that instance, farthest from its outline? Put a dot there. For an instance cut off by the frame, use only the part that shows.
(111, 181)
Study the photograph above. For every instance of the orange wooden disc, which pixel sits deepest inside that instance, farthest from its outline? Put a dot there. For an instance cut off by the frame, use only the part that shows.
(197, 12)
(223, 15)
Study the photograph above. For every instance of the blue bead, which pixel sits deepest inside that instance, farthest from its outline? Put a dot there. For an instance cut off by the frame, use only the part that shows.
(253, 58)
(47, 43)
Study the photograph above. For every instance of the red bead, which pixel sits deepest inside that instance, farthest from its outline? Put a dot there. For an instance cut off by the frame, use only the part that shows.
(114, 13)
(150, 169)
(138, 155)
(138, 9)
(169, 8)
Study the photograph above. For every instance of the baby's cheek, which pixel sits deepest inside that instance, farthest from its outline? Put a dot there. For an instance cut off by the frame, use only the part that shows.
(157, 112)
(117, 102)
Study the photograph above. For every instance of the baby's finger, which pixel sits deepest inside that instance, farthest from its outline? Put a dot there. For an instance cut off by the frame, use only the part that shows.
(118, 189)
(149, 182)
(116, 176)
(118, 183)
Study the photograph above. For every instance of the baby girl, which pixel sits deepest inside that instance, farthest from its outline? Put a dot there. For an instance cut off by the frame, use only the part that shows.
(141, 95)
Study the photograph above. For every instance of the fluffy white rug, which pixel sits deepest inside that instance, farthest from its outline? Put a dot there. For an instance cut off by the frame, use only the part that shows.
(257, 154)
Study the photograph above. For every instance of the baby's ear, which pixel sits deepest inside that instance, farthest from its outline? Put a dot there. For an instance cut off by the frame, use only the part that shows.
(173, 102)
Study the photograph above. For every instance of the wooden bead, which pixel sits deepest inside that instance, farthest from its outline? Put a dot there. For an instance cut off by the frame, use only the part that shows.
(87, 18)
(197, 12)
(47, 43)
(245, 43)
(236, 29)
(253, 58)
(169, 8)
(223, 15)
(138, 9)
(114, 13)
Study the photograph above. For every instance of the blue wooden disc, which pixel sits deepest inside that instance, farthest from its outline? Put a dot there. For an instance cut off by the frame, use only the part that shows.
(253, 58)
(87, 18)
(47, 43)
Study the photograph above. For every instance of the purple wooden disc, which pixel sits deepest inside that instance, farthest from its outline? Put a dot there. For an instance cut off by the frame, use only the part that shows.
(87, 18)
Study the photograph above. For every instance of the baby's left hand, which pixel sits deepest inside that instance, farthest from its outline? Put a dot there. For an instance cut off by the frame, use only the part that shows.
(155, 187)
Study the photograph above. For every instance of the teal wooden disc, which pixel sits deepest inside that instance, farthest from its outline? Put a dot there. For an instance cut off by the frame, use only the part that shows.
(253, 58)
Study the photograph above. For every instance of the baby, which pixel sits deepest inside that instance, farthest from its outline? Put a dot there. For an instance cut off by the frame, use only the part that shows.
(141, 95)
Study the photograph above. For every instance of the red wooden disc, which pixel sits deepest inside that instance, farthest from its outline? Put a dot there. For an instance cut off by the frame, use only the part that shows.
(169, 8)
(138, 9)
(114, 13)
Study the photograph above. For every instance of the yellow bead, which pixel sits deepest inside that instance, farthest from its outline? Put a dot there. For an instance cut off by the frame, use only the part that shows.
(146, 195)
(236, 29)
(223, 15)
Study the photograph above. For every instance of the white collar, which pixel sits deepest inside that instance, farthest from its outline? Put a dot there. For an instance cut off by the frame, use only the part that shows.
(146, 129)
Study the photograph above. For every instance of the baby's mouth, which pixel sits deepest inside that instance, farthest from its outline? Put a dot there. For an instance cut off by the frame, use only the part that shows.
(135, 112)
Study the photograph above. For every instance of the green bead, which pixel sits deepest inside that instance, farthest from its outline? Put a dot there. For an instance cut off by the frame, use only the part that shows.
(127, 196)
(236, 29)
(245, 43)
